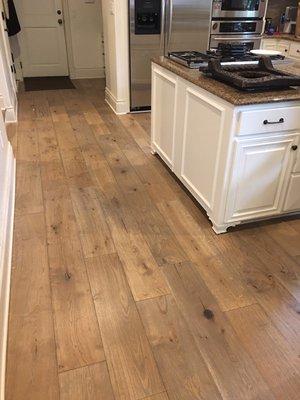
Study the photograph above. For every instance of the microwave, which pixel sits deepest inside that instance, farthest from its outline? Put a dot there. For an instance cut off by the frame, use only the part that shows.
(239, 8)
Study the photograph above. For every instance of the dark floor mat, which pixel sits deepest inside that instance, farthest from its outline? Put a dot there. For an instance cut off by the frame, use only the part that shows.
(48, 83)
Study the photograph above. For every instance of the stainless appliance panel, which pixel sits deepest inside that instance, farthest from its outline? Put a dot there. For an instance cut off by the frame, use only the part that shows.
(187, 25)
(239, 8)
(234, 27)
(146, 42)
(252, 41)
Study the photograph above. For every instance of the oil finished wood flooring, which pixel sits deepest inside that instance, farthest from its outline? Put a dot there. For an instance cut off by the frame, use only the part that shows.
(120, 289)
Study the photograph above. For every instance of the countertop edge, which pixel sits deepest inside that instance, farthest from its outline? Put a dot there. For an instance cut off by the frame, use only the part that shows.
(233, 96)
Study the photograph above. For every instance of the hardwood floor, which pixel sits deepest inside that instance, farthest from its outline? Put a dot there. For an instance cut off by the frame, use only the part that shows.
(120, 288)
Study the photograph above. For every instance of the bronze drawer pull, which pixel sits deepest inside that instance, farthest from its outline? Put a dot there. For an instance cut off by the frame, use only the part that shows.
(266, 122)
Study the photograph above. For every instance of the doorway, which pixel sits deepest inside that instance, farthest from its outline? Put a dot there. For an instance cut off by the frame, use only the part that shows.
(42, 39)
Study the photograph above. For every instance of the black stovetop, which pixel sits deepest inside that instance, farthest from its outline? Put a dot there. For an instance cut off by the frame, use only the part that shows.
(262, 76)
(196, 59)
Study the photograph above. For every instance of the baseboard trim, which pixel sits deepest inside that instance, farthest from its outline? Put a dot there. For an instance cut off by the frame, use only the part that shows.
(11, 114)
(118, 106)
(87, 73)
(5, 268)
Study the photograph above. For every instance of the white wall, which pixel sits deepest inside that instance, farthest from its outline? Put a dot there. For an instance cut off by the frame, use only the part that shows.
(84, 38)
(7, 79)
(7, 190)
(115, 26)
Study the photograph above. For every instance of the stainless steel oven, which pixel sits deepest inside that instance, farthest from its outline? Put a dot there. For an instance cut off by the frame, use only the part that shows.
(227, 27)
(252, 41)
(239, 8)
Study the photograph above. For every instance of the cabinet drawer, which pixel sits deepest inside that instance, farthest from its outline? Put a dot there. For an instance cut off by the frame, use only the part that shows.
(292, 201)
(268, 120)
(269, 44)
(284, 47)
(295, 50)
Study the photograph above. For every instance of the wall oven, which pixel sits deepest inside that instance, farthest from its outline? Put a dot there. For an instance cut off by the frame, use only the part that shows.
(227, 27)
(239, 8)
(252, 41)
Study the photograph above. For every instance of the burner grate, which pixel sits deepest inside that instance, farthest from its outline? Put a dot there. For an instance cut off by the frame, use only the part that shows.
(259, 77)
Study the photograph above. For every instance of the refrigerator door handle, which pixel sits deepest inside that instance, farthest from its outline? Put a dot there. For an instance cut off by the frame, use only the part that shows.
(170, 23)
(163, 24)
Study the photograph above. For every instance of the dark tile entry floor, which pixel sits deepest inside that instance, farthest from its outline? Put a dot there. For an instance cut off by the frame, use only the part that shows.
(48, 83)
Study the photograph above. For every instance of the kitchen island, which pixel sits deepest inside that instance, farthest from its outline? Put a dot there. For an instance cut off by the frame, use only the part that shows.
(236, 152)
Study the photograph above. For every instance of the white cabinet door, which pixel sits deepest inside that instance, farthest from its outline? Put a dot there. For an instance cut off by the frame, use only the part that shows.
(269, 44)
(292, 201)
(295, 50)
(202, 135)
(284, 47)
(260, 169)
(164, 88)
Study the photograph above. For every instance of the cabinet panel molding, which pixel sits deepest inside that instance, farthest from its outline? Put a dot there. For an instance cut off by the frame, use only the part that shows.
(202, 136)
(164, 97)
(292, 201)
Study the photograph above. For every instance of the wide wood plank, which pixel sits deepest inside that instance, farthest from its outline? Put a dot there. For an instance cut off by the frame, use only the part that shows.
(285, 236)
(223, 281)
(29, 198)
(143, 273)
(31, 359)
(160, 396)
(86, 383)
(132, 368)
(181, 365)
(274, 259)
(278, 363)
(93, 229)
(77, 333)
(28, 149)
(232, 368)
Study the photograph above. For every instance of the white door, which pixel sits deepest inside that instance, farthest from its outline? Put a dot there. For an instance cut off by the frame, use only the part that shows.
(42, 39)
(260, 170)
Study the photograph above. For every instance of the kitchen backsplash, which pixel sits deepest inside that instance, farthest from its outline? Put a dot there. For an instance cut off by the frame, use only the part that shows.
(277, 7)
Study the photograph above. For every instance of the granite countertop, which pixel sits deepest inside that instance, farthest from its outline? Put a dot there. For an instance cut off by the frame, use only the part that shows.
(283, 36)
(228, 93)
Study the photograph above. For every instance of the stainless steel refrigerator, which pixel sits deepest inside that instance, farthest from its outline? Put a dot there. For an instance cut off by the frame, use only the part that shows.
(157, 27)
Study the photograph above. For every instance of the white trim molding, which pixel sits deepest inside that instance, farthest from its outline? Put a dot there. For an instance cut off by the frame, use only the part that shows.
(6, 239)
(118, 106)
(87, 73)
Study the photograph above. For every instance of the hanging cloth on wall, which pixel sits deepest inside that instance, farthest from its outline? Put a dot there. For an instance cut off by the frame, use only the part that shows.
(5, 9)
(12, 23)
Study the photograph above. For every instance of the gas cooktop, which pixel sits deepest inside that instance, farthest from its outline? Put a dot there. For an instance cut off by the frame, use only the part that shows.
(262, 76)
(195, 59)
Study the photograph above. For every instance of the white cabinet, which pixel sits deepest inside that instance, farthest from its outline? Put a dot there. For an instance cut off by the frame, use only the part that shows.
(295, 50)
(287, 47)
(164, 88)
(269, 44)
(261, 168)
(284, 47)
(240, 163)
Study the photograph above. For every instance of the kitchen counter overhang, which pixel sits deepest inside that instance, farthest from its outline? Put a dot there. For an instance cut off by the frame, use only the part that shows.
(226, 92)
